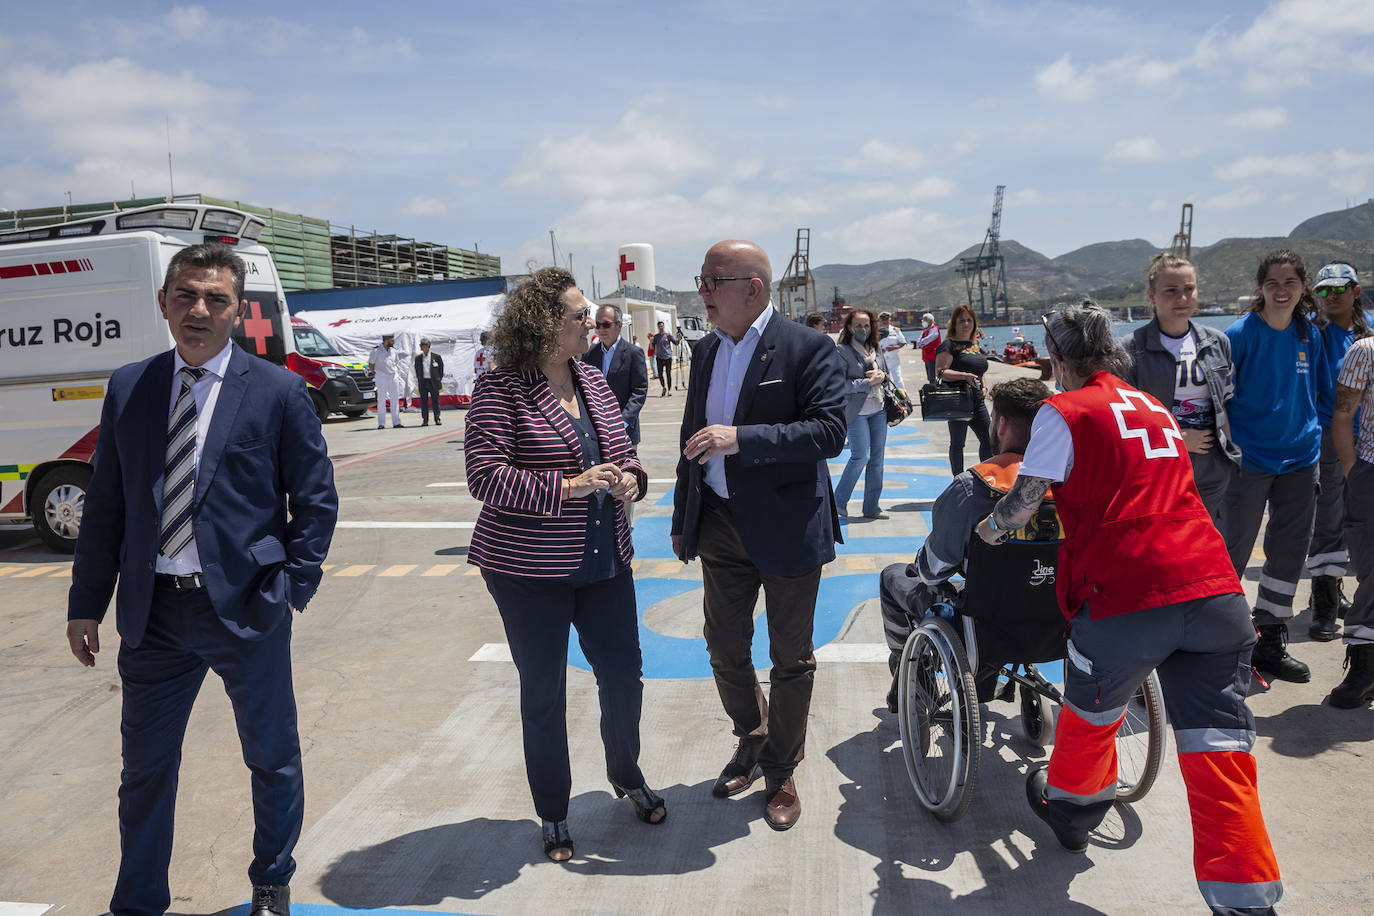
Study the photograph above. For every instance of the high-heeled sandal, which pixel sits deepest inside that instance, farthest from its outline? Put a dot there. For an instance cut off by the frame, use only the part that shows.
(556, 840)
(646, 802)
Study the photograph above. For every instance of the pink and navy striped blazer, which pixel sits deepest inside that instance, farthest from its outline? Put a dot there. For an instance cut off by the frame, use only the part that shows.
(519, 445)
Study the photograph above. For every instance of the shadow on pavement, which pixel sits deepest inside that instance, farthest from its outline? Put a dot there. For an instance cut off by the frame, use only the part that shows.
(1309, 730)
(882, 816)
(471, 859)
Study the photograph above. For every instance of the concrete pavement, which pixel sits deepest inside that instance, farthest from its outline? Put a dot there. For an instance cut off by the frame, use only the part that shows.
(415, 789)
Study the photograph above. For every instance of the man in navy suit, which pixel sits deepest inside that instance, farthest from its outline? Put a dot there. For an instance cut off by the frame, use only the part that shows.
(201, 451)
(765, 410)
(623, 365)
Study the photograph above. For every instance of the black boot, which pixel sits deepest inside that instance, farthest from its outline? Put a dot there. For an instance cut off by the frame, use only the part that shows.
(892, 662)
(1358, 686)
(1326, 594)
(1271, 655)
(1342, 602)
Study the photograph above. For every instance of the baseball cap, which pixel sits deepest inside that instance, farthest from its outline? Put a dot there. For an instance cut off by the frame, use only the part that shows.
(1335, 275)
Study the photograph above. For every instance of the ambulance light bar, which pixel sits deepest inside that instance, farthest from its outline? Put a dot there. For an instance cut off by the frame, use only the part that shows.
(165, 218)
(224, 221)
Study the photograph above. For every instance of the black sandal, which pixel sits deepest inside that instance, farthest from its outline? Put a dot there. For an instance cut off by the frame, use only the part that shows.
(646, 802)
(556, 839)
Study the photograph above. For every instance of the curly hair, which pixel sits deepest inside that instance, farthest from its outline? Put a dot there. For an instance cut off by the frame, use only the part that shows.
(1306, 309)
(526, 333)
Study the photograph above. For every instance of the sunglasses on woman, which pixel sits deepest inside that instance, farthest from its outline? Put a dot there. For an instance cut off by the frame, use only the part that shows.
(1325, 291)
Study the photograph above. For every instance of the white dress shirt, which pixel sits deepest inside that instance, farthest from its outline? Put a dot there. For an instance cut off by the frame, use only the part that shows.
(206, 393)
(722, 395)
(384, 361)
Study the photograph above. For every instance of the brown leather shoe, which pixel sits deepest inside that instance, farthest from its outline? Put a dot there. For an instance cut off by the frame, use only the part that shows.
(783, 807)
(742, 770)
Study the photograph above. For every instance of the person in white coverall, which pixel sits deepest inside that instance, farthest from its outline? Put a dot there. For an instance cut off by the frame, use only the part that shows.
(384, 364)
(891, 340)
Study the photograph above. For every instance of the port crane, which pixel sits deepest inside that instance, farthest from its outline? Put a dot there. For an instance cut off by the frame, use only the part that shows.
(986, 272)
(797, 288)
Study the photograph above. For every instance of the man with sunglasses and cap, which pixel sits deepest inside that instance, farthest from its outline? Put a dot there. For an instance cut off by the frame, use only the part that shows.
(1342, 322)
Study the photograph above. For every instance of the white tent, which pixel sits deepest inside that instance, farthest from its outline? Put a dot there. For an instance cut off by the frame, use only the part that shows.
(452, 326)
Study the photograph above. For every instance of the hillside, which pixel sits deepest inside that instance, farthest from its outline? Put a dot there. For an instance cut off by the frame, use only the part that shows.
(1114, 262)
(861, 279)
(1350, 225)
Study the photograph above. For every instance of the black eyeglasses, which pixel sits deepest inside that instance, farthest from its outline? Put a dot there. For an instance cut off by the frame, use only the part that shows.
(709, 284)
(603, 325)
(581, 315)
(1054, 344)
(1325, 291)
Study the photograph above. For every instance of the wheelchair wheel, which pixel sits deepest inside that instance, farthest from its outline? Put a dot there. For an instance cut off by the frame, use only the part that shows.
(1140, 742)
(940, 719)
(1037, 719)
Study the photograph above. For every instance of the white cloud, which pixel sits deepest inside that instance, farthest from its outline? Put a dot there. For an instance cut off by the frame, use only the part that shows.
(892, 233)
(775, 102)
(1159, 206)
(1259, 118)
(643, 155)
(1065, 81)
(422, 205)
(1030, 197)
(1293, 165)
(880, 155)
(1137, 150)
(1237, 199)
(192, 23)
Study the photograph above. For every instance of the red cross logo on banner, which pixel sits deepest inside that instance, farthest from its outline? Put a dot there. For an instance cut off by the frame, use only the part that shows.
(1170, 432)
(625, 268)
(481, 357)
(341, 321)
(257, 327)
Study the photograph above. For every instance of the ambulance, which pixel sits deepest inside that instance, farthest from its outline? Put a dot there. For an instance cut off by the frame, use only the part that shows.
(77, 301)
(337, 384)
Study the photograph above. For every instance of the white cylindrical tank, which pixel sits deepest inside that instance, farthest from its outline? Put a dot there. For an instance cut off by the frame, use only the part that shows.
(636, 266)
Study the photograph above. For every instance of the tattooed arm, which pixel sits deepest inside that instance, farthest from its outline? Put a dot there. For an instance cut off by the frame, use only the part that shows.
(1015, 509)
(1343, 425)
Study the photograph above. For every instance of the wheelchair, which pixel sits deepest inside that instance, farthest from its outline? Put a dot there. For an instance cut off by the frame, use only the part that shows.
(1004, 622)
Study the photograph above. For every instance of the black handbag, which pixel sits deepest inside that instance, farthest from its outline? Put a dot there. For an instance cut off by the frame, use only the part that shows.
(896, 403)
(947, 402)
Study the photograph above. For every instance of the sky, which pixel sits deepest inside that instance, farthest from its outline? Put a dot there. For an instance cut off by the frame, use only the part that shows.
(883, 127)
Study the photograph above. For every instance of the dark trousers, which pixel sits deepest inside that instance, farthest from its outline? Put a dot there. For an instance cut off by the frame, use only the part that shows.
(1359, 535)
(930, 371)
(536, 614)
(1326, 554)
(429, 394)
(1292, 502)
(665, 373)
(958, 432)
(160, 681)
(732, 584)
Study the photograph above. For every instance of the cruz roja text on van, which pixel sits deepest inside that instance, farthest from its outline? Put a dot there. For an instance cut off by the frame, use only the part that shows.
(64, 330)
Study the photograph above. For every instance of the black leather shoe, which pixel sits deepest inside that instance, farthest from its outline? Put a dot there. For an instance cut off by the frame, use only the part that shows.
(273, 900)
(742, 770)
(1036, 786)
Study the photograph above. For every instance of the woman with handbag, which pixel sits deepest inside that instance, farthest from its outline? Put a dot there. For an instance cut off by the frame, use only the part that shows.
(864, 410)
(959, 362)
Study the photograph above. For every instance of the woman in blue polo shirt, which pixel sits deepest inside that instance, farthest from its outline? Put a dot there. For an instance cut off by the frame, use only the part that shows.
(1281, 374)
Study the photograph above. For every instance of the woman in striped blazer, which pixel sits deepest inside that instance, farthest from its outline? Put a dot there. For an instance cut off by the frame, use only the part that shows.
(548, 456)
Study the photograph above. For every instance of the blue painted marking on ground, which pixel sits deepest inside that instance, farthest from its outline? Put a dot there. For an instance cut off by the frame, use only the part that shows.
(324, 909)
(681, 657)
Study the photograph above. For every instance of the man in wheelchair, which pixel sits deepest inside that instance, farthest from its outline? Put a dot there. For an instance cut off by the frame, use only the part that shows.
(1020, 580)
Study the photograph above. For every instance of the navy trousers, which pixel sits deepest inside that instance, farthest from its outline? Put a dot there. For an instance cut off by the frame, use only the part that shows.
(160, 681)
(536, 614)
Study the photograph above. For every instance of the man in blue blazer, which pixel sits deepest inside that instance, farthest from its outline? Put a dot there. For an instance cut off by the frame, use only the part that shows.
(623, 365)
(765, 410)
(201, 452)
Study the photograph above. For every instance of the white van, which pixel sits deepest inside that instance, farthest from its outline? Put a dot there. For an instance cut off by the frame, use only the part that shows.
(77, 301)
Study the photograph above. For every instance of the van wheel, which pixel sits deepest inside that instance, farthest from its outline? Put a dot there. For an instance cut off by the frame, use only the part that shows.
(321, 408)
(58, 500)
(356, 412)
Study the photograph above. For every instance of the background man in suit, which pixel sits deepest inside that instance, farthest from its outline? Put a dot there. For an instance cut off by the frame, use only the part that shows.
(200, 451)
(623, 365)
(765, 409)
(429, 373)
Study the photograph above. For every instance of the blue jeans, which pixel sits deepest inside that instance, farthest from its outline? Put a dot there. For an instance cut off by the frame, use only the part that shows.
(867, 440)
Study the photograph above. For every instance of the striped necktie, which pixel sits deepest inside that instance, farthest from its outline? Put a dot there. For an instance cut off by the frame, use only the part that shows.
(179, 474)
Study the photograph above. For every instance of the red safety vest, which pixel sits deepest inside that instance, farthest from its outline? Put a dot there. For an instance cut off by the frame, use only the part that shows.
(928, 351)
(1136, 534)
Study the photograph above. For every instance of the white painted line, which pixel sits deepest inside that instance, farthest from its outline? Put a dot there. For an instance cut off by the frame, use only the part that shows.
(847, 652)
(490, 652)
(23, 909)
(406, 525)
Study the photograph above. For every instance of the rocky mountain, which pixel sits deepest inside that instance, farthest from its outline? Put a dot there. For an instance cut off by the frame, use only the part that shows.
(1114, 262)
(861, 279)
(1353, 224)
